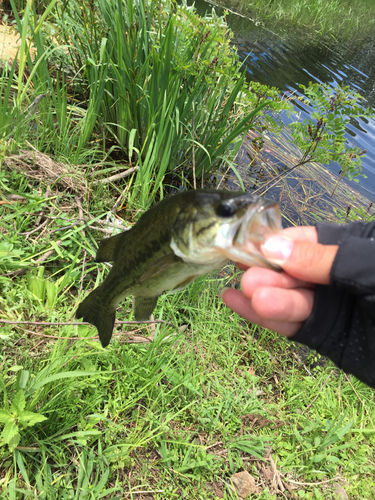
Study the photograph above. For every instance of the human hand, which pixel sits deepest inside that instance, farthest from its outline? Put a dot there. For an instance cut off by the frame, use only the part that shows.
(283, 301)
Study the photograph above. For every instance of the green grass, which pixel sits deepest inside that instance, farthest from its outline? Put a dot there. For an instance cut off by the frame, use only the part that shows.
(338, 20)
(175, 417)
(164, 86)
(150, 82)
(145, 417)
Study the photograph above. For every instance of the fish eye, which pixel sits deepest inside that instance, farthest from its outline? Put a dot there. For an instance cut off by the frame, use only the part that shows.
(226, 209)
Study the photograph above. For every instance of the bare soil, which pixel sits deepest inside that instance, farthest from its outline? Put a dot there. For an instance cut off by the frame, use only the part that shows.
(10, 42)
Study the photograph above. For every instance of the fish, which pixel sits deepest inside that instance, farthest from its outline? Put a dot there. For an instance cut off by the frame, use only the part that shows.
(177, 240)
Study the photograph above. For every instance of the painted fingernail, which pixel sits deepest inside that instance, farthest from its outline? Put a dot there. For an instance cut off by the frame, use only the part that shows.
(277, 247)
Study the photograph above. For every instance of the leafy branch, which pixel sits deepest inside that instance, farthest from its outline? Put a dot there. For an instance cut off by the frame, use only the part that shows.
(321, 138)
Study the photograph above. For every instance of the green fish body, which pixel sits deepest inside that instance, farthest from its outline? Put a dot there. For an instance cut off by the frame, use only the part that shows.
(182, 237)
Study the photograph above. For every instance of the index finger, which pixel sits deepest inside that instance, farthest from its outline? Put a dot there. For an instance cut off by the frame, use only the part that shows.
(299, 233)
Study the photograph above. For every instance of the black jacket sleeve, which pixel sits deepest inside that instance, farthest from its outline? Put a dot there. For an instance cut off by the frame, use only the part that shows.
(342, 323)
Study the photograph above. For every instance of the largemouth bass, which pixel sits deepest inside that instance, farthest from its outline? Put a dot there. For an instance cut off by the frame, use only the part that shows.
(174, 242)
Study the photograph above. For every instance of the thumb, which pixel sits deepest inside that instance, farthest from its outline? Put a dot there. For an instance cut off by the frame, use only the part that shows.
(302, 259)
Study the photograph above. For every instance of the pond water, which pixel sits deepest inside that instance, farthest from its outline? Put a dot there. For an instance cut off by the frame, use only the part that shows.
(285, 62)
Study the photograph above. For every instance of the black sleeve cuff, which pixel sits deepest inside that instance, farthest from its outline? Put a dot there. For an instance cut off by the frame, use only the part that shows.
(354, 266)
(335, 234)
(330, 312)
(342, 323)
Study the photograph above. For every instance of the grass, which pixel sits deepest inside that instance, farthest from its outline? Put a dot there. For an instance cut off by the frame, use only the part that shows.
(162, 85)
(175, 417)
(173, 409)
(146, 81)
(339, 20)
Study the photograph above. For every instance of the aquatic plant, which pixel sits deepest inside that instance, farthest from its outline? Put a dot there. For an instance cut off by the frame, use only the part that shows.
(321, 138)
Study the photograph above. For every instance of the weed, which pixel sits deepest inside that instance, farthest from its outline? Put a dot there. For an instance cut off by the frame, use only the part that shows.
(210, 395)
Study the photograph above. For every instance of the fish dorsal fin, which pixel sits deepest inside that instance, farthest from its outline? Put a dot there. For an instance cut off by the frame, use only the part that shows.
(159, 266)
(143, 307)
(107, 251)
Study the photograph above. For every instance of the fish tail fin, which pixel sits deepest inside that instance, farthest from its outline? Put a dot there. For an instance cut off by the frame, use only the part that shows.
(92, 311)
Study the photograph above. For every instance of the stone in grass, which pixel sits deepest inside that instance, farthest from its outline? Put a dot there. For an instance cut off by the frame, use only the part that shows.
(340, 492)
(244, 483)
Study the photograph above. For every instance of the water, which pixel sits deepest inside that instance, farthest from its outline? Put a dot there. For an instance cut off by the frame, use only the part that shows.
(286, 62)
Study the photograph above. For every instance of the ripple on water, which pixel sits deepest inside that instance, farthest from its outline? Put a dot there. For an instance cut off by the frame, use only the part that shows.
(286, 62)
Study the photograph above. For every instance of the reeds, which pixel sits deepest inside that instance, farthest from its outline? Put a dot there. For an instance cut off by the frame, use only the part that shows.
(164, 84)
(148, 78)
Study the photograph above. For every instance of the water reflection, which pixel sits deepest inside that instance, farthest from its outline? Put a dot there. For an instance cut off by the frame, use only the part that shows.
(286, 62)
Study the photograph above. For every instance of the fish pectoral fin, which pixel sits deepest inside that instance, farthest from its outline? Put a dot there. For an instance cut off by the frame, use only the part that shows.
(143, 307)
(183, 284)
(108, 248)
(159, 266)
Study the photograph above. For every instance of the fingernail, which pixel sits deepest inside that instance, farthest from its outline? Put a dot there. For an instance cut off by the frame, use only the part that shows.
(277, 247)
(221, 292)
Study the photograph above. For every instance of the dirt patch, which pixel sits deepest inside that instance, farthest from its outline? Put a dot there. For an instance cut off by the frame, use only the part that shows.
(10, 42)
(37, 165)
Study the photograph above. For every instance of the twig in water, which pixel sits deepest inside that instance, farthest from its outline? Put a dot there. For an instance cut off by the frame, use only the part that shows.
(306, 158)
(272, 182)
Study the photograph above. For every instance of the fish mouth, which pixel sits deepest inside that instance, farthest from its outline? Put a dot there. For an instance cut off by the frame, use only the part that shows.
(235, 232)
(254, 227)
